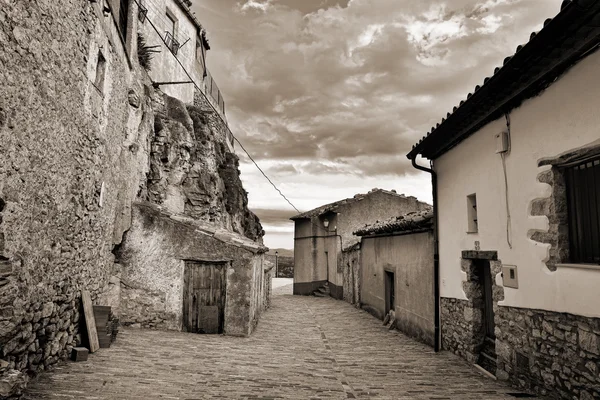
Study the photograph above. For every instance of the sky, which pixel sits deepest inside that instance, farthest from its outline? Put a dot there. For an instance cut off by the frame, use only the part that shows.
(328, 96)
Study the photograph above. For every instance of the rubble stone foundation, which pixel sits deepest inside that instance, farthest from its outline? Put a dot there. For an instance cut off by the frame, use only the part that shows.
(549, 353)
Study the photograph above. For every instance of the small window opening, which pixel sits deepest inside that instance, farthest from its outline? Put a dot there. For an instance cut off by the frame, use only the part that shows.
(172, 24)
(171, 33)
(473, 226)
(100, 72)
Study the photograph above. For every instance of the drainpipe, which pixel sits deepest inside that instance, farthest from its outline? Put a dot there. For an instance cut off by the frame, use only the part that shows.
(436, 255)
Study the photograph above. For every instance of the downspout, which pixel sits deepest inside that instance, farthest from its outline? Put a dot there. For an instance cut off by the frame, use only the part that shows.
(436, 255)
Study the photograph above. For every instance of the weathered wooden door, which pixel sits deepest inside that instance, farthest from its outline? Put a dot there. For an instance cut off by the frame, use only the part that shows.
(488, 302)
(204, 297)
(390, 292)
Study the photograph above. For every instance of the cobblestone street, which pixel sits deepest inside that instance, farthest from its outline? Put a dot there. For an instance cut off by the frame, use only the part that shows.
(303, 348)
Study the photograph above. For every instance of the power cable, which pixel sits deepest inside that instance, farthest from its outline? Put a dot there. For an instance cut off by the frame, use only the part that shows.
(208, 101)
(503, 156)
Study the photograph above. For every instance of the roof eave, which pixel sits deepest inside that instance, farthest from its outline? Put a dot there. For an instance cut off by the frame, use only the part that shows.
(555, 29)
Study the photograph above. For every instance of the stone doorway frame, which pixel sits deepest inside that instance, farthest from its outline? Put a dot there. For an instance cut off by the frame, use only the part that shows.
(473, 288)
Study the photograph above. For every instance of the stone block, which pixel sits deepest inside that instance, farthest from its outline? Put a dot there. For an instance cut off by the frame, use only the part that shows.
(589, 341)
(79, 354)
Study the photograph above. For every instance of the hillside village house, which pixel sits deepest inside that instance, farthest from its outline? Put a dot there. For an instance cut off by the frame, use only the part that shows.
(516, 178)
(396, 272)
(184, 266)
(321, 234)
(179, 66)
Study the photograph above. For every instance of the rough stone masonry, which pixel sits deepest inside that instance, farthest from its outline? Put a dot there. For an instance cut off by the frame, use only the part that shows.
(78, 148)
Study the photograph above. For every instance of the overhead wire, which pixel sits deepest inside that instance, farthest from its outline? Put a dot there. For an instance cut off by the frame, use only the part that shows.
(503, 156)
(231, 133)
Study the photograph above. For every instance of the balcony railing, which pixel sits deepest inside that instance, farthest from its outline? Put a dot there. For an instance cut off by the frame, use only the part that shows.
(213, 91)
(172, 43)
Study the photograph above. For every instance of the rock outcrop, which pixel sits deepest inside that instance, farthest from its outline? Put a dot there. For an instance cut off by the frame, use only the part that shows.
(193, 173)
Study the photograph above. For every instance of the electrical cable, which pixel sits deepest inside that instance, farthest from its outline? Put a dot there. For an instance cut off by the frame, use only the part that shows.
(503, 157)
(231, 133)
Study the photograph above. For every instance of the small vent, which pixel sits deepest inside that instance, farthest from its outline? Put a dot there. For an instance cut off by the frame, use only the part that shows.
(521, 395)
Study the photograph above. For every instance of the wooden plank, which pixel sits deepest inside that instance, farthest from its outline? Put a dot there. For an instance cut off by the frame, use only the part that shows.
(90, 322)
(209, 319)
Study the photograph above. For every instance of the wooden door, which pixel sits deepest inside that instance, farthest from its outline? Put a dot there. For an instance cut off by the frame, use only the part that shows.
(488, 303)
(390, 292)
(204, 297)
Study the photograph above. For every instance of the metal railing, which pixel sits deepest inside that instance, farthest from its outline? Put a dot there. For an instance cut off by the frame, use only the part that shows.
(213, 91)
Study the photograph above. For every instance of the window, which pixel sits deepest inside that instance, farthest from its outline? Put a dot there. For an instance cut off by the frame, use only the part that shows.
(472, 226)
(172, 24)
(583, 203)
(123, 13)
(100, 72)
(171, 33)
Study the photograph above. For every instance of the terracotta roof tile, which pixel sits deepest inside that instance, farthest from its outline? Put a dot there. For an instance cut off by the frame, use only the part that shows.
(414, 221)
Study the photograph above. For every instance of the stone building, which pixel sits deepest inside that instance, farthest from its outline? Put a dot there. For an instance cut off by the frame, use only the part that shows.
(515, 171)
(396, 272)
(87, 144)
(321, 234)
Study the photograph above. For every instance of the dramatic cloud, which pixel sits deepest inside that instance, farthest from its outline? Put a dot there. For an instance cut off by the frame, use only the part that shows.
(329, 95)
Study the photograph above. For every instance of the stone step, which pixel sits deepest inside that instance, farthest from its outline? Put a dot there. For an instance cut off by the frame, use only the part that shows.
(488, 362)
(319, 294)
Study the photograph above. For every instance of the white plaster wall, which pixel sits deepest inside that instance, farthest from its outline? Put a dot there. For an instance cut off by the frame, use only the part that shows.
(164, 65)
(562, 118)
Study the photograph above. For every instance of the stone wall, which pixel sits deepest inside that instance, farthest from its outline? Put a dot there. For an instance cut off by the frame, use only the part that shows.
(70, 152)
(459, 335)
(554, 354)
(549, 353)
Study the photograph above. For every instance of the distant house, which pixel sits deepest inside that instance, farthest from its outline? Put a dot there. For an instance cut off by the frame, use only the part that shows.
(322, 233)
(396, 272)
(516, 177)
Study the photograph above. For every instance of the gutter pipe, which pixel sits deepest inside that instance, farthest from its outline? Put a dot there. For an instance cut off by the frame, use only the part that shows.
(436, 254)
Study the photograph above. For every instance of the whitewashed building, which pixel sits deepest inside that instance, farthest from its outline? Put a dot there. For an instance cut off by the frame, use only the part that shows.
(516, 178)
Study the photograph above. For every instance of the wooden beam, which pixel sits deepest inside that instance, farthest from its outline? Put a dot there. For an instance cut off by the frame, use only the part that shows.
(90, 322)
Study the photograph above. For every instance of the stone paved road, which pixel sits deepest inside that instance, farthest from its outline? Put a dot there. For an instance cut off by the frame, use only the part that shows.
(304, 348)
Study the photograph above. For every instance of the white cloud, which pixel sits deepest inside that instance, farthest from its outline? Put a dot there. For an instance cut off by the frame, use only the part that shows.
(256, 5)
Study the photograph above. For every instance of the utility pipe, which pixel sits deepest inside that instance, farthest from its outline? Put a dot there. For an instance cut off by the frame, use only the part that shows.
(436, 254)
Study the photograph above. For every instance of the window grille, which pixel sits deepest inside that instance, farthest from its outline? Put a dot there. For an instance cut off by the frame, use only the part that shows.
(172, 43)
(583, 202)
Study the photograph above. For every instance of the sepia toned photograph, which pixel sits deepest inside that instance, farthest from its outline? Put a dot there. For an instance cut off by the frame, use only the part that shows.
(299, 199)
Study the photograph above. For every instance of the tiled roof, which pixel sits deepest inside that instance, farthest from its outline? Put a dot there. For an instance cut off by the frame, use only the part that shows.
(335, 205)
(563, 42)
(411, 222)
